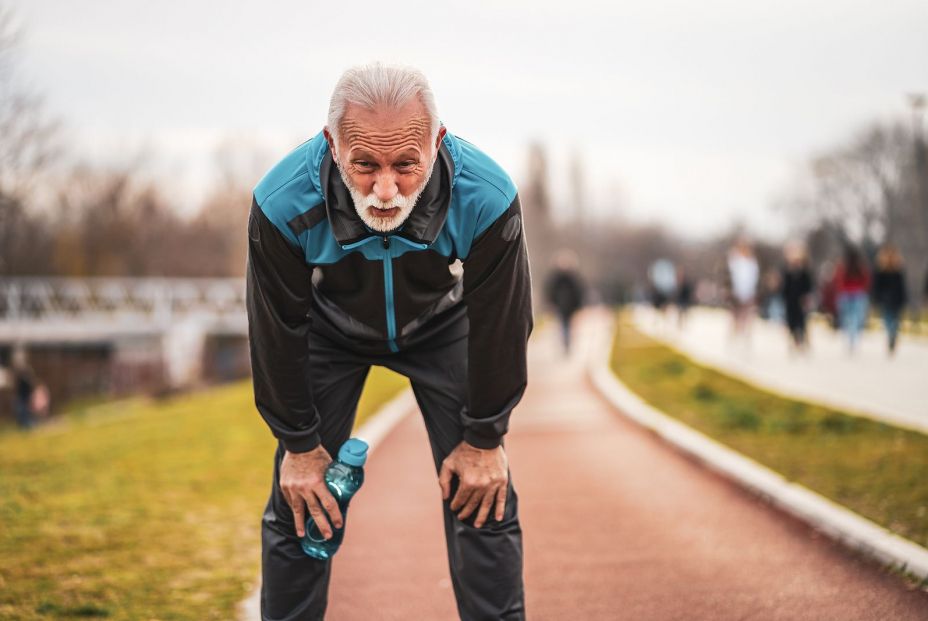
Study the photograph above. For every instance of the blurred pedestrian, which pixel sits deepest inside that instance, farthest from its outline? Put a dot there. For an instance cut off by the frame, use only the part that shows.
(743, 274)
(564, 290)
(772, 306)
(828, 295)
(797, 293)
(684, 296)
(662, 276)
(852, 283)
(889, 291)
(24, 386)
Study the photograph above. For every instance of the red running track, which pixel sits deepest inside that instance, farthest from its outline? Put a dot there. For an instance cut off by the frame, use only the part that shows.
(617, 525)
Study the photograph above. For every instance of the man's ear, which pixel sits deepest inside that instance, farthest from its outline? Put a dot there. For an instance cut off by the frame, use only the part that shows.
(441, 134)
(331, 141)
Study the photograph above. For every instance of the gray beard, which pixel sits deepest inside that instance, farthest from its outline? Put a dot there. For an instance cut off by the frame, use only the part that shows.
(362, 203)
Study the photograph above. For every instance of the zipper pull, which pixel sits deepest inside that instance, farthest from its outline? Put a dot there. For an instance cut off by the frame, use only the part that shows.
(386, 242)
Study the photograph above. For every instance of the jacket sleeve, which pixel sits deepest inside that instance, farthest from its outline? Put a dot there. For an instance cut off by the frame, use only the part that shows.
(498, 296)
(278, 295)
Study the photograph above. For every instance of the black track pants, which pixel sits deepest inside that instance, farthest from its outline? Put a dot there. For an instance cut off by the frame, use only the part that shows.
(485, 563)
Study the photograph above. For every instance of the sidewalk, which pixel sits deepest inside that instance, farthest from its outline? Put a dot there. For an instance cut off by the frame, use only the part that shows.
(617, 526)
(868, 382)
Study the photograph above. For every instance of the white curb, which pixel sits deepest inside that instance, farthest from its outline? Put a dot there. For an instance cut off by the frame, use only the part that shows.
(373, 432)
(376, 428)
(833, 519)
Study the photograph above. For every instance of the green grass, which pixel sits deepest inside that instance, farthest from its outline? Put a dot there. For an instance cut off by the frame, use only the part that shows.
(875, 469)
(141, 510)
(918, 326)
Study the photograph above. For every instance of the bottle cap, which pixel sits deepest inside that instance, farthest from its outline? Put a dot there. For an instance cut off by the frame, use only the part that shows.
(353, 452)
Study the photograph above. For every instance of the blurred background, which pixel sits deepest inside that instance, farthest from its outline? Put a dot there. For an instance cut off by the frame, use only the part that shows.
(676, 153)
(133, 133)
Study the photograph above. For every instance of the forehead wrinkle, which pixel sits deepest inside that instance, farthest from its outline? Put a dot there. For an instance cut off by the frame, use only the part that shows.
(384, 151)
(375, 146)
(378, 147)
(415, 128)
(417, 137)
(384, 140)
(415, 122)
(381, 140)
(392, 134)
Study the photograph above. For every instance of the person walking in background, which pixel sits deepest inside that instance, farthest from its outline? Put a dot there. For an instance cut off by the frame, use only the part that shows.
(24, 386)
(564, 290)
(797, 293)
(889, 291)
(684, 296)
(852, 282)
(772, 307)
(827, 295)
(662, 276)
(743, 273)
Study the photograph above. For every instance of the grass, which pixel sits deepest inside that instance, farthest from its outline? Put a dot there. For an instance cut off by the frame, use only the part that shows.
(917, 325)
(141, 510)
(875, 469)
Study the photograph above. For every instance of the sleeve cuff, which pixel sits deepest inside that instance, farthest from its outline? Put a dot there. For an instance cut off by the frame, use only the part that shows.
(302, 445)
(481, 442)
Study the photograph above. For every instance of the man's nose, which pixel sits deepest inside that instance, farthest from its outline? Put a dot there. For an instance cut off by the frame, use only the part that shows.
(385, 187)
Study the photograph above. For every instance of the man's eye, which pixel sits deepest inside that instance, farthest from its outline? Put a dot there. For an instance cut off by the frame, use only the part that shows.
(405, 164)
(363, 164)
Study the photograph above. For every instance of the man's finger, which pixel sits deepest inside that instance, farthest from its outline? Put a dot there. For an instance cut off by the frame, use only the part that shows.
(501, 502)
(318, 515)
(472, 503)
(329, 504)
(460, 497)
(485, 505)
(299, 516)
(444, 481)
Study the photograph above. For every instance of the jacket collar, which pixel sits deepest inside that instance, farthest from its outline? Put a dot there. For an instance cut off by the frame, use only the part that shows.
(421, 227)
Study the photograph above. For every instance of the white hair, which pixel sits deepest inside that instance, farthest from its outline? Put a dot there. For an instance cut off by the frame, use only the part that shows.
(377, 84)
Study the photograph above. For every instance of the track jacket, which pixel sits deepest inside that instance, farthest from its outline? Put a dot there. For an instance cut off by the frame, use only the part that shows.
(314, 266)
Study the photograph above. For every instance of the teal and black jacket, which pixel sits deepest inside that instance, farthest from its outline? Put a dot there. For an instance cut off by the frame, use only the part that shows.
(314, 266)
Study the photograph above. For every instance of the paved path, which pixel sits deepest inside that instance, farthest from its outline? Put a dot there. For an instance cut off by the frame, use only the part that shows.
(617, 526)
(869, 382)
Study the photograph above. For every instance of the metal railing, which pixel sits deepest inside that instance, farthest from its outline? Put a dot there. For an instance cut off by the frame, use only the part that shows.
(160, 300)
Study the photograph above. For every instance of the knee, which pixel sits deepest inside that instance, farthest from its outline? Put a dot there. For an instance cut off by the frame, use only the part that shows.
(508, 523)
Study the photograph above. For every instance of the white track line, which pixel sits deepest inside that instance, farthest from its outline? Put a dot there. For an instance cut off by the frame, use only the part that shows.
(835, 520)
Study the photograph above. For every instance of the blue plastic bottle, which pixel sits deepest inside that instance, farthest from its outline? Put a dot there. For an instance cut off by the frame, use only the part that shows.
(343, 478)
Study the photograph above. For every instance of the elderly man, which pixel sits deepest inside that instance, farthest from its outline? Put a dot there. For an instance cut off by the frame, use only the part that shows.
(353, 244)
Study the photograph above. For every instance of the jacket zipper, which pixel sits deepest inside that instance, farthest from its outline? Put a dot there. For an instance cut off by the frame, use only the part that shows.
(388, 293)
(388, 279)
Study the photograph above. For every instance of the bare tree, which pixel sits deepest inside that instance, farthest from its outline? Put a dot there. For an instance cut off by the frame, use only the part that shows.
(867, 191)
(223, 217)
(27, 145)
(863, 188)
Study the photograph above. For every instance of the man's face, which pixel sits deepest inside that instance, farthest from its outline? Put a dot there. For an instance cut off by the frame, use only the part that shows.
(385, 157)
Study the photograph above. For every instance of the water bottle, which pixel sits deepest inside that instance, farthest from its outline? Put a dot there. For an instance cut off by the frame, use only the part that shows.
(343, 477)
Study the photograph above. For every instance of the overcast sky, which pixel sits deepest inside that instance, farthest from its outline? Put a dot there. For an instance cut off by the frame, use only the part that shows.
(690, 113)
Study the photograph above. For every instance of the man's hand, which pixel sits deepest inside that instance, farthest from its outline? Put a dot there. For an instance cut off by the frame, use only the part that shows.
(483, 478)
(302, 481)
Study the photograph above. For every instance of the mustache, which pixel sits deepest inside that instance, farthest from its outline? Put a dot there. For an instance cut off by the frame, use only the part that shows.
(400, 200)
